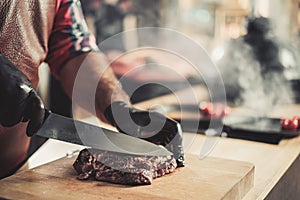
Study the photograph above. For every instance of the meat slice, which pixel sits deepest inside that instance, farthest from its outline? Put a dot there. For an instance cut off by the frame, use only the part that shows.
(122, 168)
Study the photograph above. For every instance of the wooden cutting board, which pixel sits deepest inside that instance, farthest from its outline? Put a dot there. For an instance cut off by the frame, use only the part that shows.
(209, 178)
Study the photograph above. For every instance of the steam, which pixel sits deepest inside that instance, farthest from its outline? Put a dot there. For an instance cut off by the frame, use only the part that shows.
(245, 85)
(241, 71)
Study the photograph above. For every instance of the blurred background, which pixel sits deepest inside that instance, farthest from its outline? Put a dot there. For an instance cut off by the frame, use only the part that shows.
(254, 43)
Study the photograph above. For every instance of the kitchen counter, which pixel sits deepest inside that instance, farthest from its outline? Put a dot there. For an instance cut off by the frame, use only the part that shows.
(276, 167)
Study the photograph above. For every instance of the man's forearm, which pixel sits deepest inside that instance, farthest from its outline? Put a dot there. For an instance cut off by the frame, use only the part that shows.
(93, 80)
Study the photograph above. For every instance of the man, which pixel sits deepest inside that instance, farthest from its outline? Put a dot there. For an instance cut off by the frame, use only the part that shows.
(54, 31)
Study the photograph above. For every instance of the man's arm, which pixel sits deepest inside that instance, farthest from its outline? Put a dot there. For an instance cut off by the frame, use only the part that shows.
(89, 81)
(93, 79)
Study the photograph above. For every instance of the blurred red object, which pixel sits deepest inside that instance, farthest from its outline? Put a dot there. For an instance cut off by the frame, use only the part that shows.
(216, 110)
(290, 124)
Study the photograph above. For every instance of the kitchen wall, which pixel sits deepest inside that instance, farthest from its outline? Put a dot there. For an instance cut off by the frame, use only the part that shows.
(222, 20)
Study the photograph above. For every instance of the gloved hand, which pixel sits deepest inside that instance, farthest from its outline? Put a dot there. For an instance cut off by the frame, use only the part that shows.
(19, 102)
(148, 125)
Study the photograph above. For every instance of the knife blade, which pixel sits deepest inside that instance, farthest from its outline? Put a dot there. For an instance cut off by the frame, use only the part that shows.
(73, 131)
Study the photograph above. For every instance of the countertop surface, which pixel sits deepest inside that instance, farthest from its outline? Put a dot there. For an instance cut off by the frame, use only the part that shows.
(271, 162)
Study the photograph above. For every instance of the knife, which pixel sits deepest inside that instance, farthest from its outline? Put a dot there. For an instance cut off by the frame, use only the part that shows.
(73, 131)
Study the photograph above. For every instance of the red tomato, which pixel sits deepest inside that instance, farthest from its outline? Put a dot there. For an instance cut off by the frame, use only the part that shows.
(218, 110)
(205, 108)
(289, 124)
(297, 118)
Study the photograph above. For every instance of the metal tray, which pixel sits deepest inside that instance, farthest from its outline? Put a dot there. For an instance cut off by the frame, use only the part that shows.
(260, 129)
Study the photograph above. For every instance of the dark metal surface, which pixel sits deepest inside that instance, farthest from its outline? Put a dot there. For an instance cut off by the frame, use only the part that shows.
(77, 132)
(262, 129)
(259, 129)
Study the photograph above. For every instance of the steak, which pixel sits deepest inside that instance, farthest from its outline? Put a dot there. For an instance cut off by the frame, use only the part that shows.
(122, 168)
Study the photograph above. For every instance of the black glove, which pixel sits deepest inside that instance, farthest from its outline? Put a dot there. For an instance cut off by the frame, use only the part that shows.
(148, 125)
(19, 102)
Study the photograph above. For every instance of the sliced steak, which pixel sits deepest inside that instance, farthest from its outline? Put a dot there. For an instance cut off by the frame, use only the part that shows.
(122, 168)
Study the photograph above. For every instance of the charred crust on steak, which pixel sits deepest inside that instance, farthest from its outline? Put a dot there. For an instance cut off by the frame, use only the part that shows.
(122, 168)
